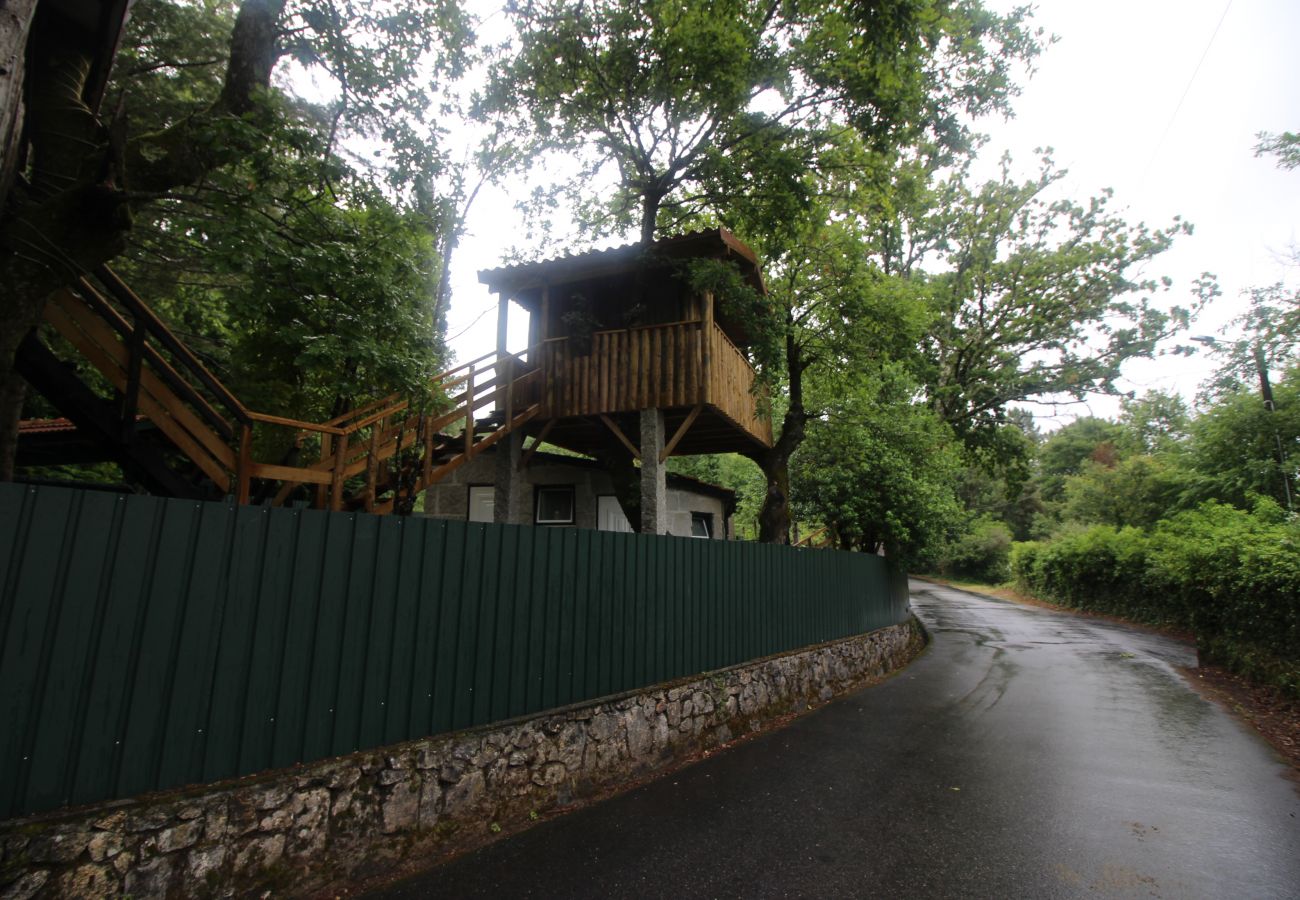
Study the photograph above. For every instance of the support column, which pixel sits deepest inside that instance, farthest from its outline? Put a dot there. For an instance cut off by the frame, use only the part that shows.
(509, 503)
(654, 483)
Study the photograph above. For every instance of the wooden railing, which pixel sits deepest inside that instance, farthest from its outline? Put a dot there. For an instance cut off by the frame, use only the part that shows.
(653, 366)
(732, 389)
(390, 446)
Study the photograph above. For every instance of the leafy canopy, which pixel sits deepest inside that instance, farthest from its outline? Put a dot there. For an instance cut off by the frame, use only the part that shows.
(696, 102)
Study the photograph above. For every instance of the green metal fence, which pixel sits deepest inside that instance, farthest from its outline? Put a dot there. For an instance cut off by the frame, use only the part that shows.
(147, 643)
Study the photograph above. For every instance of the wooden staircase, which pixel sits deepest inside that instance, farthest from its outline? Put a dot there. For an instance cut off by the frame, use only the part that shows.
(178, 431)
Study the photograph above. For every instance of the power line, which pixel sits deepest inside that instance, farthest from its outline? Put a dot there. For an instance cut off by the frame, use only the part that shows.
(1186, 90)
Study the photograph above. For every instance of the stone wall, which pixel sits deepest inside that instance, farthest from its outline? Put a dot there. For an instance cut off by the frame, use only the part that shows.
(302, 831)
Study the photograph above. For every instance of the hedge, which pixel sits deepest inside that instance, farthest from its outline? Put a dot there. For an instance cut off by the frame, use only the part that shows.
(1231, 576)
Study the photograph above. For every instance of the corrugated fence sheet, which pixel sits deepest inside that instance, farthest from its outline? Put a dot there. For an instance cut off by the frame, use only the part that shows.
(148, 643)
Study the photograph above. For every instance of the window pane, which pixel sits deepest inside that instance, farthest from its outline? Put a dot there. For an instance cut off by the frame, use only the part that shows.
(481, 501)
(555, 505)
(702, 525)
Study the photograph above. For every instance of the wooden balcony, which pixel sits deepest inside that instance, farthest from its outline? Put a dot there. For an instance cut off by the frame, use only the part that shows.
(675, 367)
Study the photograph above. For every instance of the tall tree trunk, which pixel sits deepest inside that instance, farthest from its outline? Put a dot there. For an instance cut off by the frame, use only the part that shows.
(650, 202)
(774, 517)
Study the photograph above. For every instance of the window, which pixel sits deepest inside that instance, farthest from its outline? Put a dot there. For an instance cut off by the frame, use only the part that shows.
(482, 500)
(702, 525)
(555, 505)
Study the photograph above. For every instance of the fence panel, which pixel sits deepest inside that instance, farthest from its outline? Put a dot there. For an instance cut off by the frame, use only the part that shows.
(149, 643)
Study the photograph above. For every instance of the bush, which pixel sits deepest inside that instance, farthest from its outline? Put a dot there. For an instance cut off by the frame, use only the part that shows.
(980, 554)
(1230, 575)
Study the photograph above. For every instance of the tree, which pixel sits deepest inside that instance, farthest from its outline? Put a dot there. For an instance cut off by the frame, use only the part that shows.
(1136, 491)
(89, 179)
(1037, 300)
(1285, 146)
(879, 471)
(736, 113)
(694, 103)
(1067, 450)
(1240, 447)
(1155, 423)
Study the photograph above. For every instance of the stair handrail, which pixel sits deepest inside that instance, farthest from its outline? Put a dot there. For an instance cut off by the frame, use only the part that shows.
(158, 328)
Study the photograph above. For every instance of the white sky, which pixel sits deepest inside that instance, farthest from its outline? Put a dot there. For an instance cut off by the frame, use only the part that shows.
(1106, 97)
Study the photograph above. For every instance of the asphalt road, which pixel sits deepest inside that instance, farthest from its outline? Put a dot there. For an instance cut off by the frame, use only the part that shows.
(1027, 753)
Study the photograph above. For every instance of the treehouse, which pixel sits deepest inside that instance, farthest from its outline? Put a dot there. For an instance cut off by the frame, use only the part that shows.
(625, 362)
(619, 331)
(623, 350)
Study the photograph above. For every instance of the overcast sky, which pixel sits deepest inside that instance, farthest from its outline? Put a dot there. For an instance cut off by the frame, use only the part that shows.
(1158, 99)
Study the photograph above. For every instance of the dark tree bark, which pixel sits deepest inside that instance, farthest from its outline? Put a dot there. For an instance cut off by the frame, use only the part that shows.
(75, 212)
(774, 517)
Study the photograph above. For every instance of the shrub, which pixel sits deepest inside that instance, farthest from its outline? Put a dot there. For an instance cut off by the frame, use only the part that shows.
(980, 554)
(1232, 576)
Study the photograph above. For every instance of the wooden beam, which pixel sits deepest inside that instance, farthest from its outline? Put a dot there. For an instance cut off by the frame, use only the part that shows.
(537, 442)
(681, 431)
(244, 469)
(618, 433)
(706, 351)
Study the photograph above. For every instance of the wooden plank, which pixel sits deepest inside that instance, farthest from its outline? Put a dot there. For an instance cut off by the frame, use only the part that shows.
(358, 411)
(655, 367)
(131, 397)
(537, 442)
(326, 464)
(426, 467)
(446, 419)
(377, 416)
(89, 297)
(243, 472)
(169, 340)
(98, 332)
(681, 431)
(209, 454)
(336, 481)
(469, 413)
(706, 361)
(618, 433)
(673, 373)
(372, 466)
(293, 423)
(632, 375)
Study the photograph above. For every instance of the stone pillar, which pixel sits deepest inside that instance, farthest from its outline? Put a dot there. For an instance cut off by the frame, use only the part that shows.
(654, 484)
(509, 504)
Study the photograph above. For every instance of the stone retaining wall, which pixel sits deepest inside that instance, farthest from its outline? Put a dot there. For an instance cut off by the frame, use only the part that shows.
(295, 832)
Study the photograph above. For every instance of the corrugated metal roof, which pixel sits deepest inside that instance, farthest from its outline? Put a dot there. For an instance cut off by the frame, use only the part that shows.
(45, 426)
(573, 267)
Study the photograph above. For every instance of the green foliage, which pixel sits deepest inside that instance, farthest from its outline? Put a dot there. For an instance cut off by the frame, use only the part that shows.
(334, 309)
(1234, 444)
(1040, 297)
(696, 104)
(737, 301)
(1136, 491)
(1156, 422)
(1285, 146)
(1065, 451)
(305, 286)
(878, 471)
(980, 553)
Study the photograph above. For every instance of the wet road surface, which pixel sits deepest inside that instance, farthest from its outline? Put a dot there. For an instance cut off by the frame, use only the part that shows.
(1027, 753)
